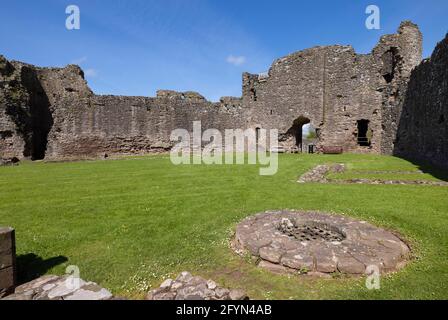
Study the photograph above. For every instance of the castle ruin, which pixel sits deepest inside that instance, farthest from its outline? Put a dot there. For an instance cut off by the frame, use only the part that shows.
(385, 102)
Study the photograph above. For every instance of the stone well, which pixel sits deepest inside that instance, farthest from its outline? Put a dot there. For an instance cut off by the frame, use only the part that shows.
(314, 242)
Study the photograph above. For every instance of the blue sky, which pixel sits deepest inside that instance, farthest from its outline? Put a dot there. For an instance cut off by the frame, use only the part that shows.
(135, 47)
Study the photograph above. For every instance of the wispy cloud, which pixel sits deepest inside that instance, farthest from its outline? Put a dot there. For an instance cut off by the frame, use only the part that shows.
(90, 73)
(236, 60)
(79, 61)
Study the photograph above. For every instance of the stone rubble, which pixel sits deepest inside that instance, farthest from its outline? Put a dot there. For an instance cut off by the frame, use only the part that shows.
(9, 161)
(319, 173)
(189, 287)
(50, 287)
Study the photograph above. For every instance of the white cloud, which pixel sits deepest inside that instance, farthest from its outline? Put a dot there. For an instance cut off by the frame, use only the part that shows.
(79, 61)
(90, 73)
(236, 60)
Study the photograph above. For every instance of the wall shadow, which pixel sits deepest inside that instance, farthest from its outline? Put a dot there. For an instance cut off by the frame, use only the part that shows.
(41, 118)
(30, 266)
(422, 132)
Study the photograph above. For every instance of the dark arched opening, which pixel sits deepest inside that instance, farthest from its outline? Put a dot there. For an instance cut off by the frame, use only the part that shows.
(297, 131)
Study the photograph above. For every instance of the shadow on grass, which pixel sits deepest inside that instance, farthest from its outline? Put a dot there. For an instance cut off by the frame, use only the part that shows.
(436, 172)
(30, 266)
(427, 167)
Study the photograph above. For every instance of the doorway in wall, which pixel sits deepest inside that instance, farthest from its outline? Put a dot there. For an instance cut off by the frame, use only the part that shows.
(364, 133)
(297, 132)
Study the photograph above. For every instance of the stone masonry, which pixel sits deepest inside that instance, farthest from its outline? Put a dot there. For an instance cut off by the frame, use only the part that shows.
(318, 243)
(7, 260)
(189, 287)
(423, 127)
(50, 287)
(354, 101)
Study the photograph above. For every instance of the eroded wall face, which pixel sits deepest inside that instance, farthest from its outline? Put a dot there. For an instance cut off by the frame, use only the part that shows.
(335, 88)
(107, 125)
(423, 127)
(15, 122)
(52, 113)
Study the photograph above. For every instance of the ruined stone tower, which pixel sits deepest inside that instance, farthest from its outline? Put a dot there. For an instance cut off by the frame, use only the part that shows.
(337, 91)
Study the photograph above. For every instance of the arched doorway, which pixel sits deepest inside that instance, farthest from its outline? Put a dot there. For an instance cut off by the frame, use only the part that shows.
(297, 131)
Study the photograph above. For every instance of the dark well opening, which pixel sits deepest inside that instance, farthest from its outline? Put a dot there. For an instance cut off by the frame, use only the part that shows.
(311, 231)
(364, 133)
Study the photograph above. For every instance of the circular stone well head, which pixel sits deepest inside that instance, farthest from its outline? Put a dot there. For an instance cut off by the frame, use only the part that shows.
(293, 241)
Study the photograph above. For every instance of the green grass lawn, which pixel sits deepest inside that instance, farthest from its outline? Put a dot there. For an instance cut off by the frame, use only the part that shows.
(383, 170)
(129, 224)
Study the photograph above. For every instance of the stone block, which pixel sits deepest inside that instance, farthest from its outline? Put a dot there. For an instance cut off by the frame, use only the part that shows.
(7, 238)
(7, 260)
(332, 150)
(7, 280)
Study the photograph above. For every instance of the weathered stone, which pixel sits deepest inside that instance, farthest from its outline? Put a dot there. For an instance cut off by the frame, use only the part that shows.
(354, 101)
(7, 261)
(298, 262)
(237, 294)
(45, 282)
(211, 284)
(166, 296)
(188, 287)
(167, 283)
(319, 242)
(423, 123)
(271, 254)
(222, 293)
(6, 280)
(90, 294)
(51, 287)
(350, 265)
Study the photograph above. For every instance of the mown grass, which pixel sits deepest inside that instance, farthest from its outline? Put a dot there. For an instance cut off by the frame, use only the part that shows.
(128, 224)
(384, 170)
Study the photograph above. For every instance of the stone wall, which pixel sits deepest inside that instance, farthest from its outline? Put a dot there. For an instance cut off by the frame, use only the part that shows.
(56, 116)
(423, 127)
(333, 88)
(7, 261)
(51, 113)
(102, 125)
(14, 116)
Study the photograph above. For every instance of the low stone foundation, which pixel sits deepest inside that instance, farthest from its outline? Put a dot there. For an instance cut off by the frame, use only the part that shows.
(320, 173)
(7, 261)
